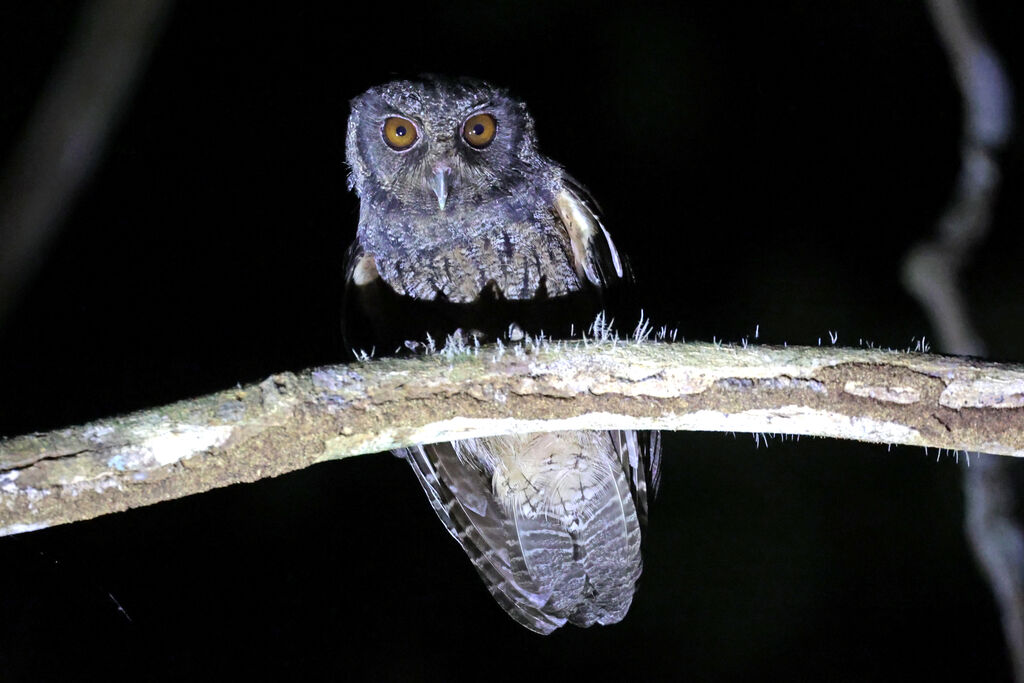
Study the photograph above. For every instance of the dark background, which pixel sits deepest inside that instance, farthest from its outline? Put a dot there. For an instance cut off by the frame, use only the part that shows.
(762, 166)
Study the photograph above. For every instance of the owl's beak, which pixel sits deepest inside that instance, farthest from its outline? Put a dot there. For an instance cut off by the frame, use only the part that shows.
(439, 184)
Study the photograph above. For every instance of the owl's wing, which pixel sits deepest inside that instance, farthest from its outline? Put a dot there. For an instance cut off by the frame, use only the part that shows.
(360, 268)
(640, 455)
(461, 495)
(594, 254)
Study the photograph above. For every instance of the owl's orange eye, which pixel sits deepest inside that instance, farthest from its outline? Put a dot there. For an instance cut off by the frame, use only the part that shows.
(479, 130)
(399, 133)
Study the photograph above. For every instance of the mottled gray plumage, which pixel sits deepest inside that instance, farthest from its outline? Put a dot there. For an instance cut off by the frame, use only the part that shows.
(461, 217)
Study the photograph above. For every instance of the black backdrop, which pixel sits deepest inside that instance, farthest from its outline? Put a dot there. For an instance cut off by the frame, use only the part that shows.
(762, 166)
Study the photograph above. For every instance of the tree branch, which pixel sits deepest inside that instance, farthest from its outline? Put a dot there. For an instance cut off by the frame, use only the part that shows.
(291, 420)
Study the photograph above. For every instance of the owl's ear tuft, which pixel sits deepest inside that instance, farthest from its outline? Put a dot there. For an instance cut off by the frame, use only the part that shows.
(356, 165)
(526, 139)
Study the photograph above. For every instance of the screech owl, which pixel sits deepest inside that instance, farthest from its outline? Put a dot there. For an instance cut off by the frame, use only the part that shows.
(463, 224)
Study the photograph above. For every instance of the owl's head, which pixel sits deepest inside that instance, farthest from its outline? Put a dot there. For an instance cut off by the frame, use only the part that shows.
(429, 145)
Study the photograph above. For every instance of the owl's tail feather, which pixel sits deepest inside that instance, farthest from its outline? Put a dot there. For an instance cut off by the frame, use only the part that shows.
(568, 547)
(608, 548)
(548, 552)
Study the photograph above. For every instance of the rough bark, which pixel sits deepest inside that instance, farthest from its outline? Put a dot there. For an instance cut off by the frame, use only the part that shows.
(292, 420)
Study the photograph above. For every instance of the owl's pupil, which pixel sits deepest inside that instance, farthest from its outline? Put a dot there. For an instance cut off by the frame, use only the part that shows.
(478, 129)
(401, 131)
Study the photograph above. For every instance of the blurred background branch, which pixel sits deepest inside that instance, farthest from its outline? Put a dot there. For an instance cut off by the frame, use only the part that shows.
(931, 273)
(68, 130)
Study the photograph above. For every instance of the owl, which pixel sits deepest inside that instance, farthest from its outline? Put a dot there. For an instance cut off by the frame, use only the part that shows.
(465, 226)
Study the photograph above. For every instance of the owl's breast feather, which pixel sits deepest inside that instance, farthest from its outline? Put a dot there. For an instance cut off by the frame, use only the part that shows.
(458, 254)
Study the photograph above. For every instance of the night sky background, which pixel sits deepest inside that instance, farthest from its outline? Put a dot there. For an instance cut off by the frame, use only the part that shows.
(761, 166)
